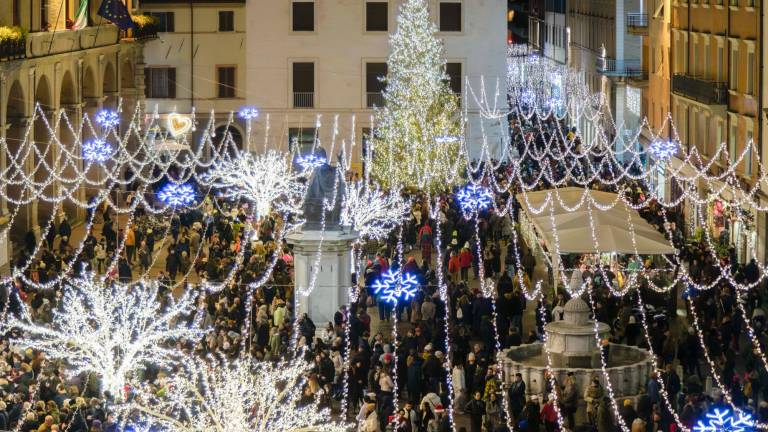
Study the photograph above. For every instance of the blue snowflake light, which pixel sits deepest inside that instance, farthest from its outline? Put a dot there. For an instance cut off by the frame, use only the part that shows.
(396, 286)
(474, 198)
(311, 161)
(97, 151)
(662, 150)
(177, 195)
(248, 113)
(108, 118)
(725, 421)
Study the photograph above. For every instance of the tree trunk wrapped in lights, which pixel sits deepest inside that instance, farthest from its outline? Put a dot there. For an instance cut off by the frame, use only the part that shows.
(418, 140)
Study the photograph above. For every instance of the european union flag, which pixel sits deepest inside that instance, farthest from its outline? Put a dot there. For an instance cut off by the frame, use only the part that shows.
(116, 12)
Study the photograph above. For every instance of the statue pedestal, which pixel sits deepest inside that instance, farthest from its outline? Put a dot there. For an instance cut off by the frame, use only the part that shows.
(328, 253)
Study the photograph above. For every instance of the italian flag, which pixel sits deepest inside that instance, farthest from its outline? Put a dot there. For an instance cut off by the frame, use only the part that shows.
(81, 16)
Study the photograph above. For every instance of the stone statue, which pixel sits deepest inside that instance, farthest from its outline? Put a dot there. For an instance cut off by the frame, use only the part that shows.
(324, 182)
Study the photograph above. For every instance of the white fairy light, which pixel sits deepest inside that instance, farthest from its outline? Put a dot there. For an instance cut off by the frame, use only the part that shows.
(372, 212)
(266, 180)
(110, 330)
(224, 396)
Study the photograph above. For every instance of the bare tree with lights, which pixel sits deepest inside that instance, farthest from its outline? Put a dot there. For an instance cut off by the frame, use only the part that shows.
(224, 396)
(111, 330)
(266, 180)
(372, 212)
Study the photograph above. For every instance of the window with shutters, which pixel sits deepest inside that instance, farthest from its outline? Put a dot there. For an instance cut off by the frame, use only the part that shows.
(165, 21)
(226, 21)
(303, 85)
(160, 82)
(226, 81)
(450, 17)
(303, 16)
(376, 16)
(374, 86)
(453, 70)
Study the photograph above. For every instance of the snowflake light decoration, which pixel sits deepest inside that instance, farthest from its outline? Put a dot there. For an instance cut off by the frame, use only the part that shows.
(311, 161)
(177, 195)
(446, 139)
(371, 212)
(662, 149)
(225, 396)
(97, 151)
(248, 113)
(396, 286)
(108, 118)
(725, 421)
(473, 198)
(112, 331)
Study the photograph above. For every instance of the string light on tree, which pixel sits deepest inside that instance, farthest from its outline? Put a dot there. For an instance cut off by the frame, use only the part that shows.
(419, 108)
(224, 396)
(110, 330)
(372, 212)
(447, 139)
(177, 195)
(395, 286)
(265, 180)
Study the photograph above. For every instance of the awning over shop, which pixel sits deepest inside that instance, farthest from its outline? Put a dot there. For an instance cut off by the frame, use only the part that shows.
(574, 233)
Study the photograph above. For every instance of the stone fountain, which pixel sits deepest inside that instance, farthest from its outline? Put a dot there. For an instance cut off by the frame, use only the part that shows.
(572, 347)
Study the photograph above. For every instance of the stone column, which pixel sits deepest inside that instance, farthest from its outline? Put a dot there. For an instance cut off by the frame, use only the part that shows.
(324, 256)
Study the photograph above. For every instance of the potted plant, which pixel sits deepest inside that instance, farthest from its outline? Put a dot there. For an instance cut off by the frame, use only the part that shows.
(146, 26)
(12, 42)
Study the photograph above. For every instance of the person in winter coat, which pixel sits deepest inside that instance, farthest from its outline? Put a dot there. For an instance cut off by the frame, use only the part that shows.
(465, 262)
(549, 414)
(570, 401)
(605, 416)
(475, 409)
(454, 267)
(172, 263)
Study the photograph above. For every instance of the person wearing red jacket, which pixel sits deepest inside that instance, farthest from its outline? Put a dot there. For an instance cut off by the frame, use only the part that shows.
(465, 261)
(454, 266)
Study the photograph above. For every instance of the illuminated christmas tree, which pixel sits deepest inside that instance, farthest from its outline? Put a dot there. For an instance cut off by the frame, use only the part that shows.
(418, 139)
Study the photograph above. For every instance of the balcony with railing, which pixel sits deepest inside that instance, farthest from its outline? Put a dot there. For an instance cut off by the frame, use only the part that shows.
(700, 90)
(374, 99)
(47, 43)
(619, 68)
(637, 23)
(303, 99)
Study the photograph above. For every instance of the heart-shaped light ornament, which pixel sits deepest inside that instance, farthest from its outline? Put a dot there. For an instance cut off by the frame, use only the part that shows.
(178, 124)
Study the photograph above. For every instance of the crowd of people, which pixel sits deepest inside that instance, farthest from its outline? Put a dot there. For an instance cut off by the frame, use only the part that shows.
(443, 364)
